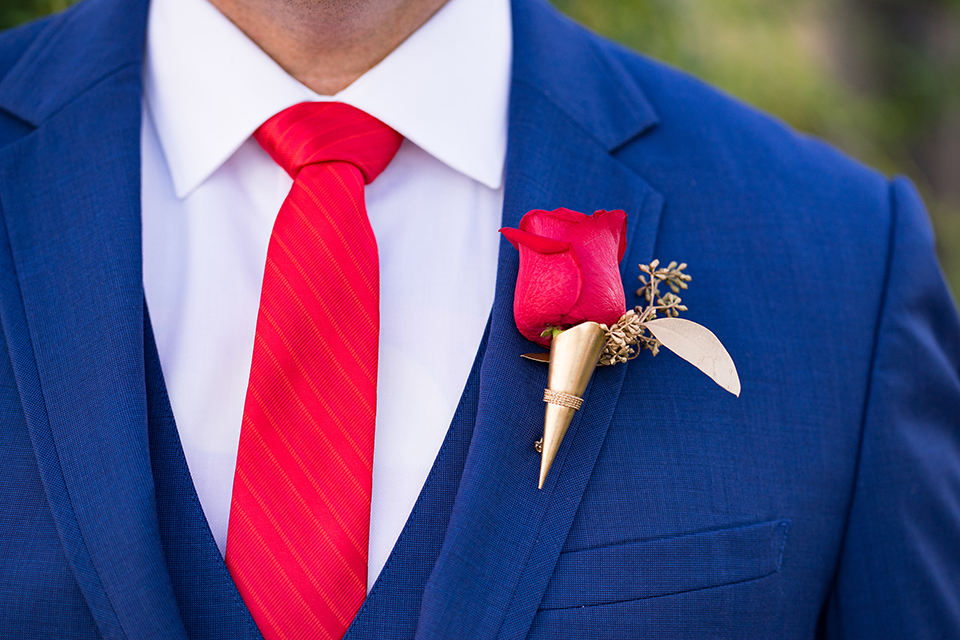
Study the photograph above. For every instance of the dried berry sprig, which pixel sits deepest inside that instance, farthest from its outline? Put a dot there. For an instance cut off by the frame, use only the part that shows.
(628, 336)
(652, 277)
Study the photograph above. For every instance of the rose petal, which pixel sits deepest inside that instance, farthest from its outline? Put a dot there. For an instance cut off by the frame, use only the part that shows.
(597, 242)
(569, 269)
(551, 224)
(548, 286)
(538, 243)
(617, 219)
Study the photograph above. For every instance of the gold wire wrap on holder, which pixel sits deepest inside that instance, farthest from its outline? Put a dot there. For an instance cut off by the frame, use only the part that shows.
(562, 399)
(574, 354)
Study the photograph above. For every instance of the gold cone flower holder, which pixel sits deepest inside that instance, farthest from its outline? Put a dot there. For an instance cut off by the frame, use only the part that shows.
(573, 358)
(576, 353)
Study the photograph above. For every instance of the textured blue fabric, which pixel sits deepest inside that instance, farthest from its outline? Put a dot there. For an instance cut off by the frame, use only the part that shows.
(48, 605)
(39, 594)
(72, 310)
(824, 502)
(651, 568)
(393, 605)
(208, 600)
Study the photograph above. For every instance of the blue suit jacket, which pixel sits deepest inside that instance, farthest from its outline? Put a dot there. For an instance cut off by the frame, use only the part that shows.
(825, 502)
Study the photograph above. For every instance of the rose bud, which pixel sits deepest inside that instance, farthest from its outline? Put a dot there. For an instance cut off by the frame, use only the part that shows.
(568, 270)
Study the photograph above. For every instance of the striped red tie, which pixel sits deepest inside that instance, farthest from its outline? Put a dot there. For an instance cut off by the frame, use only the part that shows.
(300, 513)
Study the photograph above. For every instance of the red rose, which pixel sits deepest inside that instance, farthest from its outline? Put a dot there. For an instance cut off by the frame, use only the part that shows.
(568, 270)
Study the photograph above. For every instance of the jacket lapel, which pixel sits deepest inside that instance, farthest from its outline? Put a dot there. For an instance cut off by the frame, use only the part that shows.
(74, 317)
(572, 106)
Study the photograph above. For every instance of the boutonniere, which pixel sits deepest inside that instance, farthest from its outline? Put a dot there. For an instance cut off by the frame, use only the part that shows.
(569, 297)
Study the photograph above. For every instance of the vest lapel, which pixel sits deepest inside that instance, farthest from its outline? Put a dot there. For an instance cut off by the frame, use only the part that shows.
(73, 316)
(393, 605)
(209, 602)
(571, 107)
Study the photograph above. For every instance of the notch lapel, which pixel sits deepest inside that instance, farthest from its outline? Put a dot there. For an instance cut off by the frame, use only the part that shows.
(571, 107)
(73, 317)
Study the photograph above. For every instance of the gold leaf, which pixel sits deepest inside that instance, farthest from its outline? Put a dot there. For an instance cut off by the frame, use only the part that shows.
(700, 347)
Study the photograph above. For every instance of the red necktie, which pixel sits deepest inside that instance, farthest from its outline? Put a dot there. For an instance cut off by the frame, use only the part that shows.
(300, 511)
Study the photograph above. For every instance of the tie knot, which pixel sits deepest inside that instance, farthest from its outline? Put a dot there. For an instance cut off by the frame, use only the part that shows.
(314, 132)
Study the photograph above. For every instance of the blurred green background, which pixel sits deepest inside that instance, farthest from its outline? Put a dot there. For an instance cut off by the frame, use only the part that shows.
(878, 78)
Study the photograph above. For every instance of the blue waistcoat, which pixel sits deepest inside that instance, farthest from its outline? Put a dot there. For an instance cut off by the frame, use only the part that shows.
(206, 596)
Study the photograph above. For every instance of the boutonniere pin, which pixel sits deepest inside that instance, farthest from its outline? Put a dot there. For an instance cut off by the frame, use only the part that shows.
(569, 298)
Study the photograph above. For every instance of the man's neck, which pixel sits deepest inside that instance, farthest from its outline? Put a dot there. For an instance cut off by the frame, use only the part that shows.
(327, 44)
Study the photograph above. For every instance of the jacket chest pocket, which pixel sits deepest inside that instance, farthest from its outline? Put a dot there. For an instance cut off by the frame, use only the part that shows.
(664, 566)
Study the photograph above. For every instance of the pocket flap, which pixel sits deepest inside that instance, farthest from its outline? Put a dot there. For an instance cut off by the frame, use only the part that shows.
(663, 566)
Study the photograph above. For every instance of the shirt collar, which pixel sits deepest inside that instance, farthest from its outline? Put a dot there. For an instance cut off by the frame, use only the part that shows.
(446, 88)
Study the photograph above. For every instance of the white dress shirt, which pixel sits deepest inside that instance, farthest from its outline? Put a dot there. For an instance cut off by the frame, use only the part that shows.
(210, 195)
